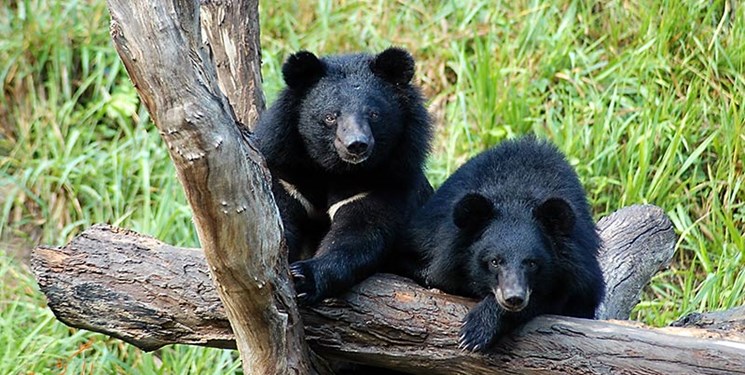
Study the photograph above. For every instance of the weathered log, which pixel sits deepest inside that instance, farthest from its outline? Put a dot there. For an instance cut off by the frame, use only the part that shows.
(224, 178)
(151, 294)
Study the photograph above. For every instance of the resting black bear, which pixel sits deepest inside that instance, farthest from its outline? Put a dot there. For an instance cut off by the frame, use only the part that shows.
(511, 227)
(346, 142)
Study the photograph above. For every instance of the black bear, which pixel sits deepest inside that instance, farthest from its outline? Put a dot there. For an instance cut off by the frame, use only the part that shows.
(345, 142)
(513, 228)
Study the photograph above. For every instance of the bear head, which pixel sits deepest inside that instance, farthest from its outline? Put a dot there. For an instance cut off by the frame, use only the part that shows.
(352, 107)
(514, 248)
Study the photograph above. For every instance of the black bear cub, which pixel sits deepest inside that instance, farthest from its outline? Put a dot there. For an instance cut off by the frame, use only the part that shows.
(513, 228)
(345, 142)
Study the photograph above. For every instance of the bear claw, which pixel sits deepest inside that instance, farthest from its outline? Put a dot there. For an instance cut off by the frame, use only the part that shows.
(473, 338)
(304, 280)
(296, 272)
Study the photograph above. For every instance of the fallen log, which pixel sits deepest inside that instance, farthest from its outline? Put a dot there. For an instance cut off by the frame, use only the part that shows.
(150, 294)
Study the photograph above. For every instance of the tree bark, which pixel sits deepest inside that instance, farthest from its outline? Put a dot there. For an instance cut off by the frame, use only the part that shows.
(223, 175)
(629, 263)
(151, 294)
(231, 30)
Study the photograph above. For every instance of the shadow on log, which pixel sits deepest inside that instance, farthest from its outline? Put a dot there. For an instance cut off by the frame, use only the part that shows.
(150, 294)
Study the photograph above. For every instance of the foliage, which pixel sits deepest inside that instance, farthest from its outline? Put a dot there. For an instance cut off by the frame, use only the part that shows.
(645, 97)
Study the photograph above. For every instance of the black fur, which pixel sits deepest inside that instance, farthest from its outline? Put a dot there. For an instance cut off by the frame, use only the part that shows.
(302, 70)
(394, 65)
(513, 228)
(311, 139)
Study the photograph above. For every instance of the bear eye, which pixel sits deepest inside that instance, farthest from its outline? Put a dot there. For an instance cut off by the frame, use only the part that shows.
(374, 115)
(495, 262)
(329, 118)
(531, 264)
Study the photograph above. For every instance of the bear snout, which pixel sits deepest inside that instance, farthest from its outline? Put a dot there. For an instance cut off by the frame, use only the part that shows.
(355, 151)
(512, 298)
(354, 141)
(357, 147)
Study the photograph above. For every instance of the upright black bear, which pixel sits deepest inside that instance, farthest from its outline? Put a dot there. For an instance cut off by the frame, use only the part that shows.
(345, 142)
(511, 227)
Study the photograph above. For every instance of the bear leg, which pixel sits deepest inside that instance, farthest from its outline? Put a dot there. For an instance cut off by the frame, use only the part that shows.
(482, 325)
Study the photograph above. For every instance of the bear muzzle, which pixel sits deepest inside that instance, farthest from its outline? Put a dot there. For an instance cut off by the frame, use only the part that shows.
(354, 141)
(512, 297)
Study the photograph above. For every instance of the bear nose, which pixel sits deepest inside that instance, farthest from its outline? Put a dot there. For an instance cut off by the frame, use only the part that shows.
(515, 301)
(357, 147)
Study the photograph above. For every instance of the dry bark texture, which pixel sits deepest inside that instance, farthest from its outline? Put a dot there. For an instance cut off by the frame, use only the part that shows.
(224, 177)
(638, 241)
(151, 294)
(231, 30)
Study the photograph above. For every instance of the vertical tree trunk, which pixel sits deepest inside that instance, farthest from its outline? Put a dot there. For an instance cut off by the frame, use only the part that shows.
(226, 183)
(232, 30)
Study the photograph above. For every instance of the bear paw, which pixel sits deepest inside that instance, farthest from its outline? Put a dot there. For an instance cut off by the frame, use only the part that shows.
(305, 285)
(474, 337)
(481, 327)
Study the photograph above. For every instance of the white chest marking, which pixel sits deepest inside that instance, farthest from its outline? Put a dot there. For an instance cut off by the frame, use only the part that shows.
(293, 191)
(336, 206)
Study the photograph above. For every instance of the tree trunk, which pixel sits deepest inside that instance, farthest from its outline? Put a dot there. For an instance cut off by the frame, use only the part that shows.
(232, 33)
(151, 294)
(223, 175)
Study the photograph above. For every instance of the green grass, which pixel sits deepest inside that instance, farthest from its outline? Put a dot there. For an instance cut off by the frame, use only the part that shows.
(645, 98)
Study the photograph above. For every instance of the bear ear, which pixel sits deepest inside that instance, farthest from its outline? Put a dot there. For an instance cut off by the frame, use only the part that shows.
(556, 216)
(473, 211)
(302, 70)
(394, 65)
